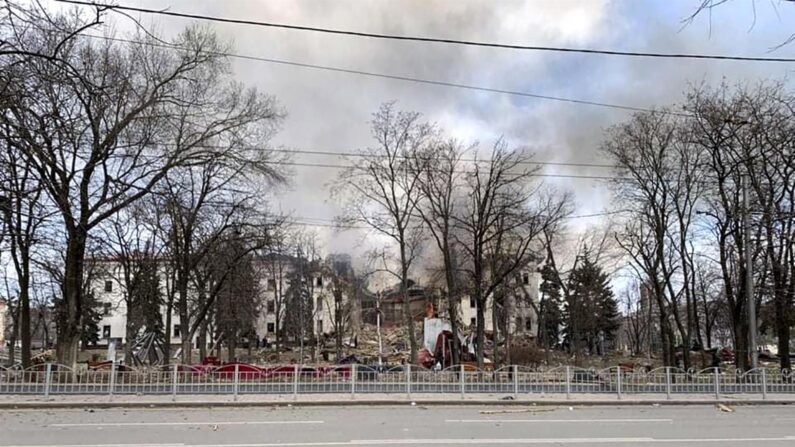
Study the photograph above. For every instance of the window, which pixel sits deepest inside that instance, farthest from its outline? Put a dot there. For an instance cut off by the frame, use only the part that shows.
(472, 303)
(319, 281)
(271, 328)
(526, 278)
(271, 284)
(271, 306)
(108, 286)
(320, 326)
(473, 322)
(177, 332)
(528, 325)
(105, 331)
(106, 309)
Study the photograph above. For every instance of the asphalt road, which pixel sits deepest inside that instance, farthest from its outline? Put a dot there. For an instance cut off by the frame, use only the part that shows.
(404, 425)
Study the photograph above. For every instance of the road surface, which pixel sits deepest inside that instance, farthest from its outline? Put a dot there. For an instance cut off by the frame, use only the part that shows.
(404, 425)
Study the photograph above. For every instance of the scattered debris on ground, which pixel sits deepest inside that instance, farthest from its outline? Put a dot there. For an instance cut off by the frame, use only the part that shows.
(523, 410)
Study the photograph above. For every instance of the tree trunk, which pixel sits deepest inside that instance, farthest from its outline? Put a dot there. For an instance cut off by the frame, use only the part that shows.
(231, 344)
(408, 318)
(24, 316)
(167, 334)
(495, 330)
(452, 311)
(452, 299)
(338, 323)
(72, 306)
(783, 329)
(129, 337)
(202, 341)
(184, 326)
(740, 323)
(187, 346)
(481, 330)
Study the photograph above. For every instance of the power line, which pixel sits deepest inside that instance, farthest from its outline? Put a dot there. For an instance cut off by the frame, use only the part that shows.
(472, 160)
(328, 223)
(344, 166)
(398, 77)
(429, 39)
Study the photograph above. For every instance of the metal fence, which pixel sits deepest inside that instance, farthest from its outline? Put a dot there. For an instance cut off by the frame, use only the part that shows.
(236, 379)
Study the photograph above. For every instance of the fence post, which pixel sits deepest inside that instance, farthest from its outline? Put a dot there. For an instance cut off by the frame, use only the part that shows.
(237, 381)
(463, 384)
(668, 382)
(717, 384)
(618, 381)
(353, 381)
(515, 381)
(568, 383)
(295, 381)
(764, 384)
(112, 380)
(408, 380)
(47, 380)
(174, 381)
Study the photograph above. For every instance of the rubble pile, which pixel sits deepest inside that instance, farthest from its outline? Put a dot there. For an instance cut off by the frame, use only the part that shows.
(394, 342)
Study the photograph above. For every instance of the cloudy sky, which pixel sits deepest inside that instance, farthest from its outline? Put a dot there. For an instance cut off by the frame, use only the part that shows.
(330, 111)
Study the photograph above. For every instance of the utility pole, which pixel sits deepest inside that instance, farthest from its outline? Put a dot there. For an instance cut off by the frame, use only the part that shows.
(749, 276)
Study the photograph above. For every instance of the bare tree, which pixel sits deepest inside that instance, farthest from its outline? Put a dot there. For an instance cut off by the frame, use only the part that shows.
(133, 248)
(747, 133)
(440, 166)
(660, 184)
(24, 213)
(237, 304)
(382, 190)
(28, 31)
(277, 261)
(637, 324)
(339, 300)
(96, 141)
(706, 7)
(503, 217)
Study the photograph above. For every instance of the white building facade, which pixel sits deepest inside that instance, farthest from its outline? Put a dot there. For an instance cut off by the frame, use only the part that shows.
(109, 291)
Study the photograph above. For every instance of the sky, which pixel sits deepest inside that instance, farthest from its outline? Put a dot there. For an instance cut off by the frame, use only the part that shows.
(330, 111)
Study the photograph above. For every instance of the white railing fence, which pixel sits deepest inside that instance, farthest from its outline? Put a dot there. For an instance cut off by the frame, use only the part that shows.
(235, 379)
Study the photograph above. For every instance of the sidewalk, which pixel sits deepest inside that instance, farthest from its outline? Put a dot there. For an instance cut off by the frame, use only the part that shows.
(250, 400)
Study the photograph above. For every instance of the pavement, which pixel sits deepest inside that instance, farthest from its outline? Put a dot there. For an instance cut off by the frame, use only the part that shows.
(268, 400)
(409, 425)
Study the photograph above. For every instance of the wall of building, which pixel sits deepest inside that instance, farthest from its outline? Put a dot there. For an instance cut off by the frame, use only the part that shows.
(109, 291)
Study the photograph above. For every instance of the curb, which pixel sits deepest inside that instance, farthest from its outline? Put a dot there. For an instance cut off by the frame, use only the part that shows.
(386, 403)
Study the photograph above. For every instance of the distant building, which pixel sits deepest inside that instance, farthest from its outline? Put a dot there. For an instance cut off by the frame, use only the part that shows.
(275, 273)
(521, 316)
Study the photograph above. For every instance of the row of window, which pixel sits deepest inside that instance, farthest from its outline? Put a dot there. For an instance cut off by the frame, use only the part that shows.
(177, 331)
(318, 283)
(528, 323)
(271, 284)
(271, 306)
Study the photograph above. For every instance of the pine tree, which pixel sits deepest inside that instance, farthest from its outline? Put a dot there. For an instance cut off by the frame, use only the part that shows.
(89, 331)
(550, 314)
(591, 310)
(146, 298)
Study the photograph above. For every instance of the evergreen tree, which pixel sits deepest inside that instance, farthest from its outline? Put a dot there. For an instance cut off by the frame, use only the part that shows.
(298, 306)
(591, 311)
(89, 331)
(550, 314)
(146, 298)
